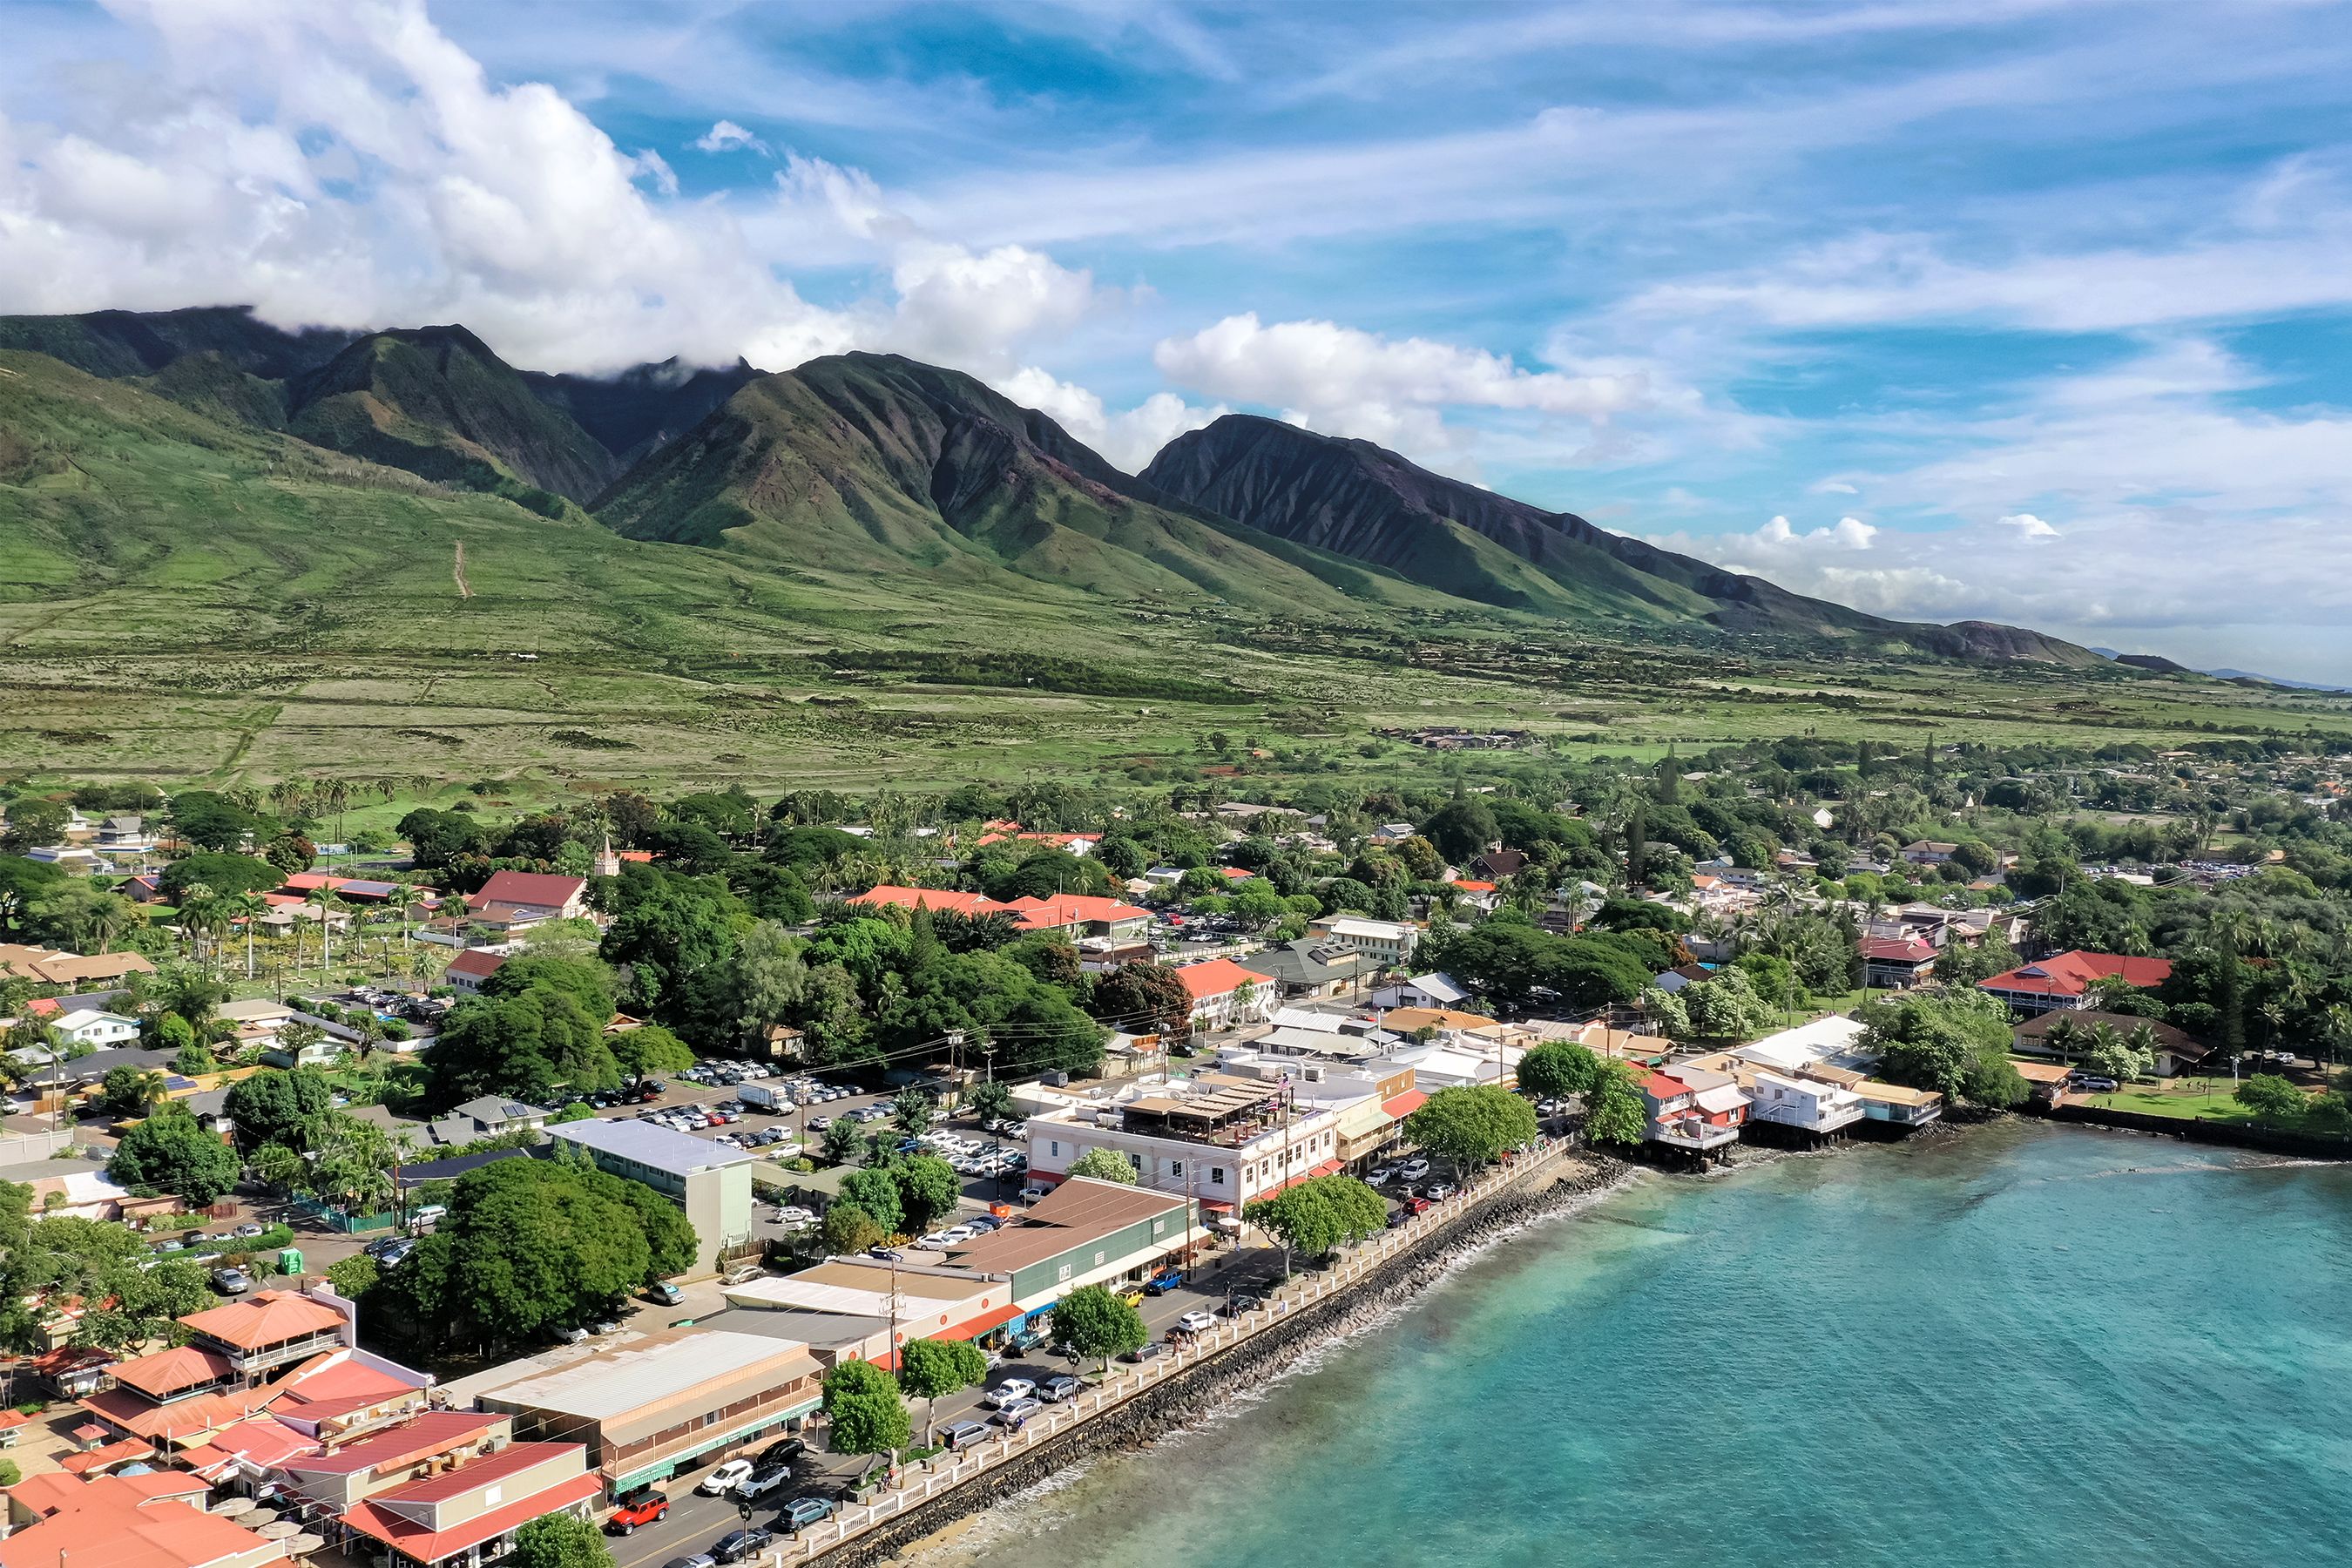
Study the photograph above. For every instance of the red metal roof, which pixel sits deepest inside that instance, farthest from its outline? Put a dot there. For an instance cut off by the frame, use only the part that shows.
(980, 1325)
(1404, 1104)
(952, 900)
(539, 889)
(419, 1437)
(1896, 950)
(475, 962)
(1218, 976)
(415, 1540)
(511, 1460)
(2070, 973)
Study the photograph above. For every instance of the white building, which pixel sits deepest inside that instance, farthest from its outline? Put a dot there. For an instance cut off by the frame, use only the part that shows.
(1801, 1103)
(90, 1027)
(1224, 1140)
(1382, 941)
(1836, 1040)
(1435, 989)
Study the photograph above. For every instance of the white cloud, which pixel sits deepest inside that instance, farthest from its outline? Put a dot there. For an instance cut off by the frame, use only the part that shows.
(1130, 438)
(2028, 526)
(1346, 382)
(726, 136)
(967, 310)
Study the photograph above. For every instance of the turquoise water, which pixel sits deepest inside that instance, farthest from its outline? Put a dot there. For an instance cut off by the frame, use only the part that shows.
(2020, 1345)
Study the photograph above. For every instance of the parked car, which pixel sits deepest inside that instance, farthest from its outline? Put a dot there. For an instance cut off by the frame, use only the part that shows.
(2092, 1085)
(1438, 1191)
(783, 1451)
(1412, 1171)
(724, 1479)
(232, 1281)
(742, 1273)
(1413, 1203)
(1010, 1414)
(961, 1435)
(1243, 1301)
(1195, 1322)
(649, 1508)
(170, 1243)
(692, 1559)
(1058, 1387)
(1164, 1281)
(763, 1480)
(737, 1546)
(664, 1293)
(573, 1336)
(430, 1214)
(249, 1228)
(1146, 1351)
(804, 1512)
(1004, 1393)
(1382, 1175)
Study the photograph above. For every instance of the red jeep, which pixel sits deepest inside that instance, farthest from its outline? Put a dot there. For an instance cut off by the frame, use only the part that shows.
(647, 1508)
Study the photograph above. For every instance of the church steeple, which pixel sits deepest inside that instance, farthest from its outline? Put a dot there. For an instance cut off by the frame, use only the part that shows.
(607, 863)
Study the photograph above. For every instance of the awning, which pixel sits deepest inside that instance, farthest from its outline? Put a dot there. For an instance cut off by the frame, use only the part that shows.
(981, 1325)
(1404, 1104)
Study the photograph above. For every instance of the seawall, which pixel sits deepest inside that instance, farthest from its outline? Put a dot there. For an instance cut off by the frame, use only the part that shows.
(2197, 1129)
(1182, 1399)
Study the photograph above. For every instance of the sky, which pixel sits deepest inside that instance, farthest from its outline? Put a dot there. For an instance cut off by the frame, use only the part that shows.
(2013, 310)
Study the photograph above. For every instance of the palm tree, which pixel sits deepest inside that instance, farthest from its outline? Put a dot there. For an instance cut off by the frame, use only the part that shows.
(323, 899)
(246, 910)
(2064, 1038)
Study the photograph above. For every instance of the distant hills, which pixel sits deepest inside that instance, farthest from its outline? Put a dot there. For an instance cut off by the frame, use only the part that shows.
(2158, 664)
(1362, 500)
(880, 466)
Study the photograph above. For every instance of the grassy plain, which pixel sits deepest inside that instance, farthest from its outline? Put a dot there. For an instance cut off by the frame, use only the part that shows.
(188, 602)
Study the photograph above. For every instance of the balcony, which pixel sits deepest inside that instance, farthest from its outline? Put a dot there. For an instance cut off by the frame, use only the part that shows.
(266, 1358)
(1693, 1132)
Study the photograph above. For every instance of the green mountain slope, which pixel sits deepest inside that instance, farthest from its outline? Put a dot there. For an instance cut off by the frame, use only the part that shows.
(438, 402)
(1362, 500)
(876, 463)
(115, 344)
(641, 410)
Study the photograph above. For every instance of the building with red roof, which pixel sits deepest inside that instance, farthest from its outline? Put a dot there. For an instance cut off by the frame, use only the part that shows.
(949, 900)
(1083, 914)
(468, 1514)
(1224, 994)
(2064, 981)
(154, 1519)
(1895, 963)
(343, 1476)
(527, 898)
(471, 968)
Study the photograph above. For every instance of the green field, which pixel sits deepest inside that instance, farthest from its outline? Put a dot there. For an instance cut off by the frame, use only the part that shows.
(185, 601)
(2208, 1099)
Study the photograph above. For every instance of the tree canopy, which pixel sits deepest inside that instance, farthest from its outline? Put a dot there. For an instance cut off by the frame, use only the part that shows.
(170, 1152)
(1471, 1124)
(1094, 1323)
(1316, 1216)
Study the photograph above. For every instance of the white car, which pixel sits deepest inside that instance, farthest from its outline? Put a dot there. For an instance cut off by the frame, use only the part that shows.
(938, 1241)
(1412, 1171)
(1197, 1321)
(1005, 1393)
(724, 1479)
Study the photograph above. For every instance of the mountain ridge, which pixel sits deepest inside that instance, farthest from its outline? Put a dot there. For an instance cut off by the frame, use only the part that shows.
(1367, 502)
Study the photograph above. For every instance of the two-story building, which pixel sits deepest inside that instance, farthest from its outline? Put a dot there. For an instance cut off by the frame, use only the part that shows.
(1225, 994)
(2065, 980)
(518, 899)
(711, 1181)
(1699, 1122)
(1384, 943)
(467, 1515)
(665, 1402)
(1085, 1232)
(1222, 1140)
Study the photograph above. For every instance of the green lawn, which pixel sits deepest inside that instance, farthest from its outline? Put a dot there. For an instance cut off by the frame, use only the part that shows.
(2191, 1098)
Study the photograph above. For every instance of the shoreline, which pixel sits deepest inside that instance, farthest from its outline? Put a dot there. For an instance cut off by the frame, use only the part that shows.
(1220, 1390)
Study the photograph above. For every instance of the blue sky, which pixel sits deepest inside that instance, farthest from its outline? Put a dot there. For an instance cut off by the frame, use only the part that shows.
(2036, 312)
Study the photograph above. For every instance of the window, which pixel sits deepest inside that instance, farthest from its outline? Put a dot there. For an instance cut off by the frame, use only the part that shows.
(1063, 1275)
(1058, 1148)
(1158, 1226)
(1176, 1167)
(490, 1495)
(1099, 1258)
(1216, 1176)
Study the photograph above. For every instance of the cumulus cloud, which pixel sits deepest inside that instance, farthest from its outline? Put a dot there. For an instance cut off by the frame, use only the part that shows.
(2027, 525)
(350, 165)
(726, 136)
(1343, 381)
(1129, 439)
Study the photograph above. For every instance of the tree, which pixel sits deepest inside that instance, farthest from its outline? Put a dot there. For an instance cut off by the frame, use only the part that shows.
(650, 1050)
(531, 1247)
(2271, 1098)
(931, 1368)
(129, 1091)
(169, 1152)
(861, 1401)
(224, 874)
(848, 1228)
(1471, 1124)
(559, 1540)
(2112, 1053)
(843, 1140)
(914, 1110)
(992, 1101)
(875, 1191)
(1316, 1216)
(1613, 1109)
(1726, 1007)
(274, 1106)
(1143, 998)
(354, 1277)
(277, 1167)
(928, 1190)
(1461, 830)
(1094, 1323)
(193, 1058)
(1931, 1038)
(1105, 1165)
(33, 822)
(1558, 1068)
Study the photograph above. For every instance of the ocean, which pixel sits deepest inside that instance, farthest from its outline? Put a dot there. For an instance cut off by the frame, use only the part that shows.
(2014, 1345)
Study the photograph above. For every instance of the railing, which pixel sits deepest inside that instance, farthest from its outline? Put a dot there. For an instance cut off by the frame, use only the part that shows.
(945, 1473)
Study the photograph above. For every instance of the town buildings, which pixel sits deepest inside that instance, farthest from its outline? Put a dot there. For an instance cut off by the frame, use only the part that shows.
(2066, 980)
(711, 1181)
(1220, 1139)
(1085, 1232)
